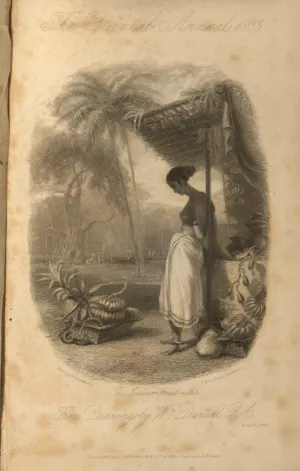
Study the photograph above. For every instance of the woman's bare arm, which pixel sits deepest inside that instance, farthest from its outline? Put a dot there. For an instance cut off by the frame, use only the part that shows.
(199, 234)
(200, 213)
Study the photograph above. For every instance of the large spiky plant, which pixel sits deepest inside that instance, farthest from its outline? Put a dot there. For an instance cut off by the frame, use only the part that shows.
(71, 289)
(86, 314)
(65, 288)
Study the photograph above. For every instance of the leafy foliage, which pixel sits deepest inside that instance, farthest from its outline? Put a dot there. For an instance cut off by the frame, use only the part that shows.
(88, 104)
(55, 158)
(72, 286)
(85, 313)
(258, 224)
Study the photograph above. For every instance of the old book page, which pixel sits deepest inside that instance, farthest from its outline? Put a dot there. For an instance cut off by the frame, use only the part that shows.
(5, 57)
(152, 262)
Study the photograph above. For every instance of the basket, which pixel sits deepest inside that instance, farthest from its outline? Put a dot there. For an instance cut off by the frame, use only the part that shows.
(91, 333)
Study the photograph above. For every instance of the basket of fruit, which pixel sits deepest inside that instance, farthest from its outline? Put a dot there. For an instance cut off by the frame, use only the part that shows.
(88, 318)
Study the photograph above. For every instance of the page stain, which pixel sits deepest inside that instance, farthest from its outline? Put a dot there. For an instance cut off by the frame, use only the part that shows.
(86, 444)
(18, 91)
(164, 449)
(248, 448)
(187, 447)
(281, 402)
(235, 57)
(269, 361)
(288, 433)
(121, 402)
(43, 421)
(247, 393)
(14, 372)
(47, 445)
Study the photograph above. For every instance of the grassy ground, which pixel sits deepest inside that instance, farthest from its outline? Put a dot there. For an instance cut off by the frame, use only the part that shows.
(135, 357)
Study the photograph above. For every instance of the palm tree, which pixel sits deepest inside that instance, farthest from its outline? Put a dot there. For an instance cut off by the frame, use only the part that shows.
(93, 106)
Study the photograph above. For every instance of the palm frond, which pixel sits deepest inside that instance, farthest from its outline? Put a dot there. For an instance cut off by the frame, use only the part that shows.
(44, 274)
(63, 295)
(75, 291)
(65, 280)
(97, 287)
(134, 97)
(137, 118)
(64, 291)
(67, 101)
(58, 268)
(80, 115)
(68, 111)
(52, 282)
(133, 78)
(89, 78)
(82, 89)
(93, 124)
(72, 276)
(244, 99)
(116, 74)
(58, 290)
(204, 97)
(120, 83)
(83, 288)
(44, 278)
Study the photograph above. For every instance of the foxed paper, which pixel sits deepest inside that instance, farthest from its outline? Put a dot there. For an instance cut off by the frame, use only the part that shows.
(151, 301)
(4, 135)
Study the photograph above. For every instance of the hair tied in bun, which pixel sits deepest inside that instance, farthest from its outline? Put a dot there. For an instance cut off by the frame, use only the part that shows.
(189, 171)
(183, 172)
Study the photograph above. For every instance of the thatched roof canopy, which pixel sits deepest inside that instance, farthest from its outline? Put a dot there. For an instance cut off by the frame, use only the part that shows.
(174, 130)
(221, 118)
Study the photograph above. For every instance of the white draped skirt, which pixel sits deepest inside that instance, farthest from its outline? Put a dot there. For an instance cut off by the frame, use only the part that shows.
(181, 295)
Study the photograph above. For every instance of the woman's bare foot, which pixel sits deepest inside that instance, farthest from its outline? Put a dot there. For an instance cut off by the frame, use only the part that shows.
(173, 349)
(170, 341)
(186, 344)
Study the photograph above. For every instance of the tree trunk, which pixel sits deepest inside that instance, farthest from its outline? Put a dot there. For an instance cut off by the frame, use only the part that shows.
(208, 235)
(137, 205)
(127, 205)
(73, 247)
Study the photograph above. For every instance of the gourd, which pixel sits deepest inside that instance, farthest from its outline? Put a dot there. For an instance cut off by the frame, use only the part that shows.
(109, 303)
(254, 307)
(209, 346)
(241, 327)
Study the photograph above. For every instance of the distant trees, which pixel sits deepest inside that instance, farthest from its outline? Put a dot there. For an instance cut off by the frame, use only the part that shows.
(48, 229)
(61, 166)
(94, 106)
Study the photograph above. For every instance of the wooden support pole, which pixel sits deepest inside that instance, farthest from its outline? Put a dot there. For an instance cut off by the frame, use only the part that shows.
(208, 234)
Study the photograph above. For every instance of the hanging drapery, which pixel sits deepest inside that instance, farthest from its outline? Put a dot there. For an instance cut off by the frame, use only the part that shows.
(243, 168)
(178, 133)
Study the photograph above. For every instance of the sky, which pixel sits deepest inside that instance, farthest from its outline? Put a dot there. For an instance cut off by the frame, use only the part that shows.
(151, 171)
(150, 174)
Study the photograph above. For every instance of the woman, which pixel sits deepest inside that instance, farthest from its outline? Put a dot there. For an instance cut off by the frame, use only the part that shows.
(181, 297)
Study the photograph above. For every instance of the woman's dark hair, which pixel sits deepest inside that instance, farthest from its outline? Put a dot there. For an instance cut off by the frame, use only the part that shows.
(180, 173)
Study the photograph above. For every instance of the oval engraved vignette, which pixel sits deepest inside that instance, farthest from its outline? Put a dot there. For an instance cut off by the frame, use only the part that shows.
(150, 223)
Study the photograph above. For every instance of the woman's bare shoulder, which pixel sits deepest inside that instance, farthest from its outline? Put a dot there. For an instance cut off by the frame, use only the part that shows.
(201, 194)
(199, 197)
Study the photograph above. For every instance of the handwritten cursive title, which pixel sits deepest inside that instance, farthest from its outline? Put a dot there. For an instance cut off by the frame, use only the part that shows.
(96, 21)
(178, 412)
